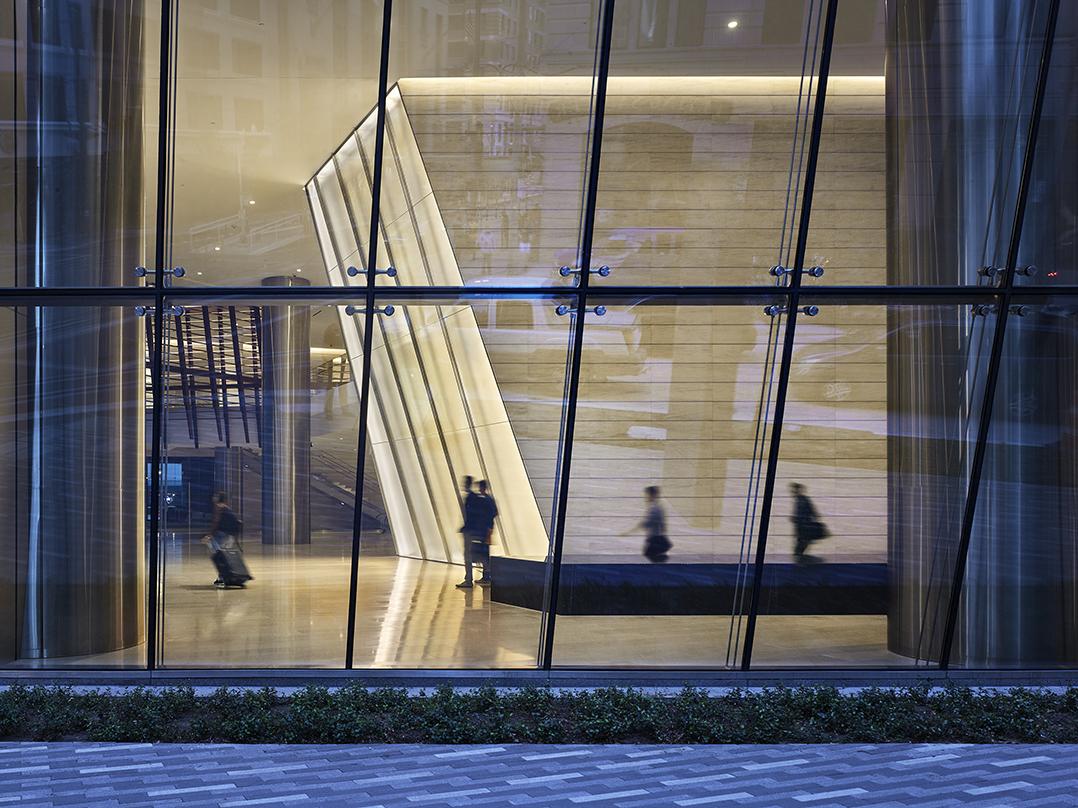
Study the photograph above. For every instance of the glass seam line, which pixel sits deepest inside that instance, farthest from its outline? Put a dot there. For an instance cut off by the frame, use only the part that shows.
(156, 373)
(586, 237)
(998, 339)
(368, 333)
(763, 411)
(793, 300)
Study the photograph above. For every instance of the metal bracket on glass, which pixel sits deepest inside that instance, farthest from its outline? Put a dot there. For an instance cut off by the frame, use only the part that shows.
(175, 272)
(1019, 311)
(1027, 271)
(176, 311)
(351, 311)
(602, 272)
(778, 271)
(774, 311)
(984, 309)
(563, 309)
(389, 272)
(993, 274)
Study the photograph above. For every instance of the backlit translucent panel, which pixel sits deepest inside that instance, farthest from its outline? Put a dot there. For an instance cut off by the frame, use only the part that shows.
(458, 391)
(675, 397)
(880, 423)
(264, 95)
(1020, 598)
(707, 114)
(262, 412)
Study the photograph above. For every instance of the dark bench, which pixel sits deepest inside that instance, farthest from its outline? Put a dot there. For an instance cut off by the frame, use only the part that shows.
(615, 587)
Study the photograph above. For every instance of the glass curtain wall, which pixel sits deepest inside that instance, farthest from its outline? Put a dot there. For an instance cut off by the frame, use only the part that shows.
(795, 275)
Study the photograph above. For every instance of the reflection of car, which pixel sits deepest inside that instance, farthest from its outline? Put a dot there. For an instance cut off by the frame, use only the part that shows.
(615, 336)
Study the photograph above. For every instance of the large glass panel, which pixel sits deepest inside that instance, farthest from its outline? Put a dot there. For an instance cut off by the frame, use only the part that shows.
(707, 114)
(78, 167)
(1050, 230)
(460, 391)
(880, 422)
(487, 138)
(669, 448)
(258, 480)
(73, 460)
(1019, 605)
(265, 92)
(926, 115)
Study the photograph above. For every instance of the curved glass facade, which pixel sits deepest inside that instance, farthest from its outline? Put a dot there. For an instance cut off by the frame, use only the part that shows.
(537, 334)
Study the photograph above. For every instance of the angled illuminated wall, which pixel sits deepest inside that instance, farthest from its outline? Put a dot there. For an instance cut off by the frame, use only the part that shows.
(436, 411)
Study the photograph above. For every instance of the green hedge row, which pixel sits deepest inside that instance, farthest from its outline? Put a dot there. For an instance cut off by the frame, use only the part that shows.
(445, 716)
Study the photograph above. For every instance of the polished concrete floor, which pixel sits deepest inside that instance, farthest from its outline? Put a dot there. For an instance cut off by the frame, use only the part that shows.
(411, 615)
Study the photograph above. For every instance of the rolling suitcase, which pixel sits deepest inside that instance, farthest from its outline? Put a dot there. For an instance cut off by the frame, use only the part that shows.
(231, 568)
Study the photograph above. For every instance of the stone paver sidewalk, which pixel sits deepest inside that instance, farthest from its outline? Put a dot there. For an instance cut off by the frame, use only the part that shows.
(93, 774)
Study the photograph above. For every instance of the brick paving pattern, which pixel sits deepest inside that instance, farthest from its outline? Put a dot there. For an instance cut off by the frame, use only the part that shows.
(92, 774)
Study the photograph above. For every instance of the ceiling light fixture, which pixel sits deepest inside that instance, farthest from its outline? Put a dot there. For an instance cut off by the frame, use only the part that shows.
(732, 24)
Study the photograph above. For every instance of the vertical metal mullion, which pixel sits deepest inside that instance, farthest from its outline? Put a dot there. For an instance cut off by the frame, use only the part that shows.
(587, 231)
(792, 301)
(156, 362)
(998, 341)
(368, 331)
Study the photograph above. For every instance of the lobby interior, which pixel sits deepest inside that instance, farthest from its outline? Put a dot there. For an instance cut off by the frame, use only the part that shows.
(483, 180)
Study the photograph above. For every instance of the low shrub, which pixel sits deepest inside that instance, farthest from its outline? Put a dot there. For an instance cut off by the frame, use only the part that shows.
(355, 714)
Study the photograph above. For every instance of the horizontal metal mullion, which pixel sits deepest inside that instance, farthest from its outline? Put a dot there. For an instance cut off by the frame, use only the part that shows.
(608, 294)
(66, 296)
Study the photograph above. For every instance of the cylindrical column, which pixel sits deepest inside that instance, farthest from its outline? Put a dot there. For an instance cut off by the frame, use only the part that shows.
(286, 420)
(82, 407)
(959, 83)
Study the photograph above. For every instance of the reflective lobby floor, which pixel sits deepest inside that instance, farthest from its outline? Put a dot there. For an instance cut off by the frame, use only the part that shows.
(411, 615)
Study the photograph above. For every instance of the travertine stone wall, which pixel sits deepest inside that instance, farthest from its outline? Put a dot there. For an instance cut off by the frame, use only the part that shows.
(696, 188)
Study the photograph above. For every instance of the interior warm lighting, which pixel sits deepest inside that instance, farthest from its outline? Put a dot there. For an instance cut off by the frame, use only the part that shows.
(732, 24)
(217, 249)
(250, 201)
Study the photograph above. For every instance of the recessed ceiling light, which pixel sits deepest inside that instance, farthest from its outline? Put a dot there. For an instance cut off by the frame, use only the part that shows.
(217, 249)
(732, 24)
(250, 201)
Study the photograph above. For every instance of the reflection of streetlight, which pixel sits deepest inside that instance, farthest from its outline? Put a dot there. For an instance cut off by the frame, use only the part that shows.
(732, 24)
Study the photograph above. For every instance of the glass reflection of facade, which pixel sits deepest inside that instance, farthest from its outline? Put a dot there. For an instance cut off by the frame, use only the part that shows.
(804, 270)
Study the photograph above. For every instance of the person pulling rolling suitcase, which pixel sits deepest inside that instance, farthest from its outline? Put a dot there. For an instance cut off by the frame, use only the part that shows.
(226, 552)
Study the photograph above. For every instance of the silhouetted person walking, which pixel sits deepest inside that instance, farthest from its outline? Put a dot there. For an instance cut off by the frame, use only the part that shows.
(807, 525)
(656, 543)
(488, 512)
(470, 530)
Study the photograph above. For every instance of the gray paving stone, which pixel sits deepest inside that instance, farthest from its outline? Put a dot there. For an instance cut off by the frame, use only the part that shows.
(894, 776)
